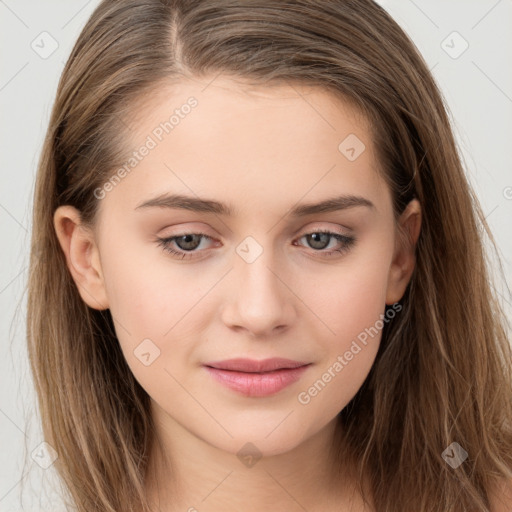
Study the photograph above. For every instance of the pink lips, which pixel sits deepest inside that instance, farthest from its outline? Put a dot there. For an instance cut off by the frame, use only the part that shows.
(256, 378)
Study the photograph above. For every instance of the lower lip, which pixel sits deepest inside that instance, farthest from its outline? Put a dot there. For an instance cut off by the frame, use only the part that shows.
(257, 384)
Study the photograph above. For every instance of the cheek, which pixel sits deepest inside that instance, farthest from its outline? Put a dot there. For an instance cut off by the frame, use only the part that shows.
(352, 298)
(352, 306)
(159, 309)
(149, 295)
(149, 312)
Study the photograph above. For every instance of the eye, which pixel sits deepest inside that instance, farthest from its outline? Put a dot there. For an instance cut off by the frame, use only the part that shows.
(320, 239)
(188, 243)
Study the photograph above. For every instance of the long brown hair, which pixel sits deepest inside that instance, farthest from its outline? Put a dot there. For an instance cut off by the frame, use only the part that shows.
(443, 371)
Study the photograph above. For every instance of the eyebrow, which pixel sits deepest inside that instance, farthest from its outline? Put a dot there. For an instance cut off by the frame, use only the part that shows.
(195, 204)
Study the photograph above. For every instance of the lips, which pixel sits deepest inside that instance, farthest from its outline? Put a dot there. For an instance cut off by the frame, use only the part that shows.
(255, 366)
(256, 378)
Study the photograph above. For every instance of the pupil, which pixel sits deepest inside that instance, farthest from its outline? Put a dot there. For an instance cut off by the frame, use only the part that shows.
(188, 242)
(317, 239)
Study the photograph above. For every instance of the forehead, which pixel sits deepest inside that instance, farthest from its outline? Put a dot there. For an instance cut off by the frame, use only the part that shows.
(224, 138)
(224, 97)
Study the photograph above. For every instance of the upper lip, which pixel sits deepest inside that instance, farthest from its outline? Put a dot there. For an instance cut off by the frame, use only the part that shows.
(255, 366)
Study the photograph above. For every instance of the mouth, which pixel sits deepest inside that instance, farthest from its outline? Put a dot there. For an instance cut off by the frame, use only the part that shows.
(257, 378)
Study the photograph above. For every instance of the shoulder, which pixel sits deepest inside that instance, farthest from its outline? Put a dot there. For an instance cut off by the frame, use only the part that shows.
(501, 499)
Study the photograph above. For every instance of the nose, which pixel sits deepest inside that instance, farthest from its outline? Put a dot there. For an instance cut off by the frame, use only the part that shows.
(260, 301)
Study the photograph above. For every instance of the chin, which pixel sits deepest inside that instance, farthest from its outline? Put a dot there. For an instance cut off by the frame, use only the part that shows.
(260, 440)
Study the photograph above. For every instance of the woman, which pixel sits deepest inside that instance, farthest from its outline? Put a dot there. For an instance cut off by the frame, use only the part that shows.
(260, 279)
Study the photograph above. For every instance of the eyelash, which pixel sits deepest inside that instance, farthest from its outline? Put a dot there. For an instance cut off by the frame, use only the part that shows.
(348, 242)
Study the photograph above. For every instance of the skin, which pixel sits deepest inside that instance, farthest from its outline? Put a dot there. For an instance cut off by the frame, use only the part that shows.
(262, 151)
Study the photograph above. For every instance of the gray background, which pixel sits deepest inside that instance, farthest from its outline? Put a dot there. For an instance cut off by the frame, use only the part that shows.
(477, 86)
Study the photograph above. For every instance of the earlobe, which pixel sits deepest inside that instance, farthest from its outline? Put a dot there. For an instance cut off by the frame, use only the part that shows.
(404, 259)
(82, 256)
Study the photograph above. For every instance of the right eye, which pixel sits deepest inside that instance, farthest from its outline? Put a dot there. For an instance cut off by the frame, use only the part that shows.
(187, 244)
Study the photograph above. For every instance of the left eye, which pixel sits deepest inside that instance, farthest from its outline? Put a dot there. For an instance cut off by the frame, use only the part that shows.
(188, 243)
(318, 239)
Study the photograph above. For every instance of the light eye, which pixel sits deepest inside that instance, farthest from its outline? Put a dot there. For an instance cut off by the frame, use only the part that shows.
(188, 243)
(185, 240)
(317, 241)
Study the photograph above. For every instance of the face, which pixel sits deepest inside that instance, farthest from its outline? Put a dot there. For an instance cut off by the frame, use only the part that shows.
(244, 266)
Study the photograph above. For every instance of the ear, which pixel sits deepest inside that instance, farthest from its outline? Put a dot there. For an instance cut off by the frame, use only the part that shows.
(404, 259)
(82, 256)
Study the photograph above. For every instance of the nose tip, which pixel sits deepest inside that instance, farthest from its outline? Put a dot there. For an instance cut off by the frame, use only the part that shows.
(260, 303)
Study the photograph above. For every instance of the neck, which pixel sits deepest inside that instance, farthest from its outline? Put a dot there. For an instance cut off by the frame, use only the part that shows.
(188, 474)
